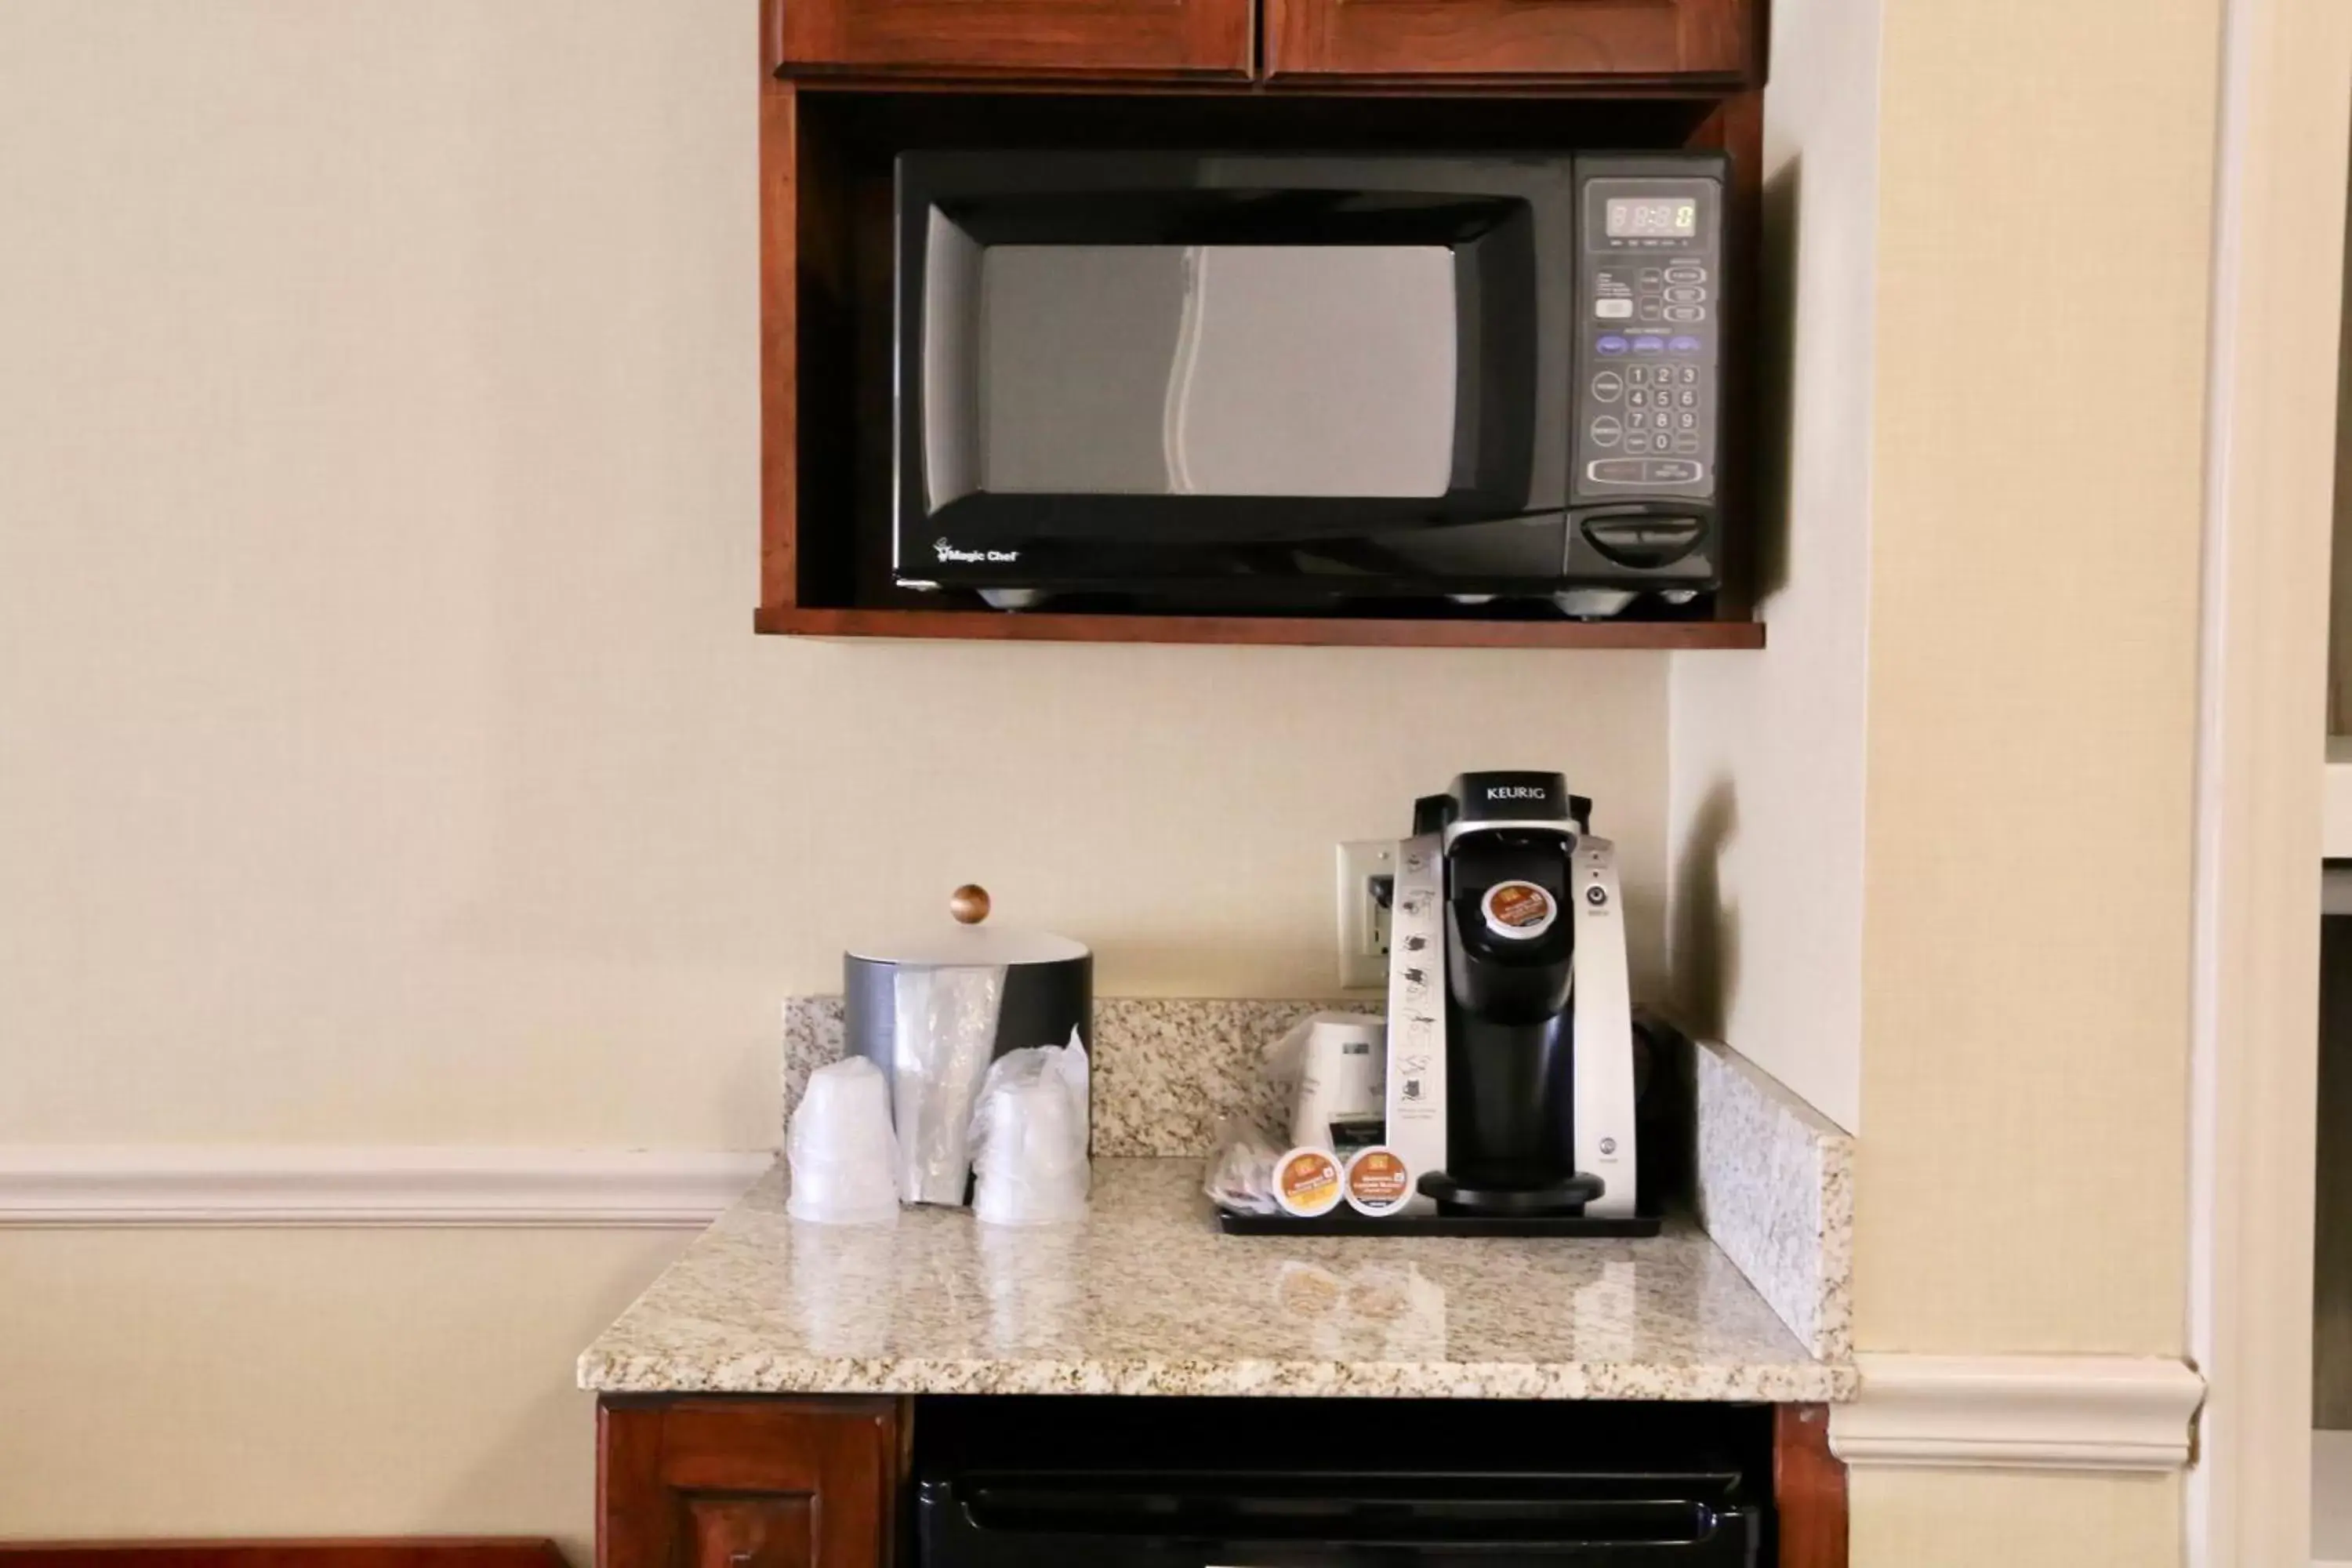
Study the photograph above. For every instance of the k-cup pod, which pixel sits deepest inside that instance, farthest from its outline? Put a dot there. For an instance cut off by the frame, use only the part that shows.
(1376, 1181)
(1518, 911)
(1306, 1182)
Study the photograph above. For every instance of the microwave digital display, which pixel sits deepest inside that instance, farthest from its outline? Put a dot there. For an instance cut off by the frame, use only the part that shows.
(1647, 217)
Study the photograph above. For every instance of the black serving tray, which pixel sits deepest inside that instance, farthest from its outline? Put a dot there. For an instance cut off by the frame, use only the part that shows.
(1344, 1221)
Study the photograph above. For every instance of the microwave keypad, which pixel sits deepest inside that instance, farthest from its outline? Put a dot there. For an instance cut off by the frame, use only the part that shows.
(1646, 401)
(1651, 408)
(1652, 396)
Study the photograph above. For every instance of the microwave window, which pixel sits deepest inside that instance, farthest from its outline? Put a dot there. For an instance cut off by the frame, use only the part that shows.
(1652, 217)
(1213, 369)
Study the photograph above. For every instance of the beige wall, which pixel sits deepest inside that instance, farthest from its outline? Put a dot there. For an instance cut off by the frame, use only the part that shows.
(386, 758)
(1928, 1519)
(389, 756)
(384, 753)
(2042, 277)
(309, 1383)
(2032, 730)
(2339, 627)
(2018, 684)
(1980, 700)
(1767, 753)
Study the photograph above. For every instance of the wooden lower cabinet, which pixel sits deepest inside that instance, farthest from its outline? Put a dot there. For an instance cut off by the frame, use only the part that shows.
(1808, 1489)
(749, 1481)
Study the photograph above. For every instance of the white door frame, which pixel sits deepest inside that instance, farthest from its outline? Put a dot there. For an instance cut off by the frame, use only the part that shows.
(2285, 113)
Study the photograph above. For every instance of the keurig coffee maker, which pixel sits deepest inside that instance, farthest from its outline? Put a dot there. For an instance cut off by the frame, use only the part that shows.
(1511, 1077)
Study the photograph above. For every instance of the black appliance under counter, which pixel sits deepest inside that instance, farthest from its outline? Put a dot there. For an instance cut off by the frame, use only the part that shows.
(1135, 1483)
(1145, 1297)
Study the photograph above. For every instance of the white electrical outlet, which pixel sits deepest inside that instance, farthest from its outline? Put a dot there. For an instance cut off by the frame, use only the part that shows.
(1363, 921)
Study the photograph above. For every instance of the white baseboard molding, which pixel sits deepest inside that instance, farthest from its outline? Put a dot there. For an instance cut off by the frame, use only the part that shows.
(2020, 1413)
(367, 1184)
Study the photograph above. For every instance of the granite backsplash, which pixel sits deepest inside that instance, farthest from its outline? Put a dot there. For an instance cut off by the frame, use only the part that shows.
(1768, 1177)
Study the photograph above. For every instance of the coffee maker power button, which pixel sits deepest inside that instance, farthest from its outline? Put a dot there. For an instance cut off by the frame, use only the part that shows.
(1596, 895)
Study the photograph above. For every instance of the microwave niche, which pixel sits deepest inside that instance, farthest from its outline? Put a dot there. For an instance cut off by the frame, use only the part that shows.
(1287, 381)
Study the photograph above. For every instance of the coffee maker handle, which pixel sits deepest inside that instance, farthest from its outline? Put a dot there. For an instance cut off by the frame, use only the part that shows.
(1603, 1010)
(1434, 813)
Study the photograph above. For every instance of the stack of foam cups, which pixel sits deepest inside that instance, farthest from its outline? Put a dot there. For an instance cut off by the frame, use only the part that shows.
(843, 1153)
(1032, 1157)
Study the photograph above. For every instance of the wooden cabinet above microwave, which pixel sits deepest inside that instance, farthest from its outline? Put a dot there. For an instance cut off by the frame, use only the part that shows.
(854, 84)
(1296, 43)
(1174, 39)
(1493, 39)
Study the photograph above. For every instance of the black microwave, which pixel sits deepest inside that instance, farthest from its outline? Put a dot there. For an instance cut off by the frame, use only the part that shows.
(1297, 382)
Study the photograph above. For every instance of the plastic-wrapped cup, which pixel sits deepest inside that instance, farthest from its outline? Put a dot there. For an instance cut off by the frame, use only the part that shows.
(853, 1086)
(1032, 1162)
(843, 1153)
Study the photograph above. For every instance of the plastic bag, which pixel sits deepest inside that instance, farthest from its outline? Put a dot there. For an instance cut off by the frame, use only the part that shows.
(1240, 1172)
(945, 1024)
(1286, 1056)
(1028, 1137)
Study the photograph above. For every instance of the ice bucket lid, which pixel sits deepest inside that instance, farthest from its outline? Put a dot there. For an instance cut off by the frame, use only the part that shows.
(970, 943)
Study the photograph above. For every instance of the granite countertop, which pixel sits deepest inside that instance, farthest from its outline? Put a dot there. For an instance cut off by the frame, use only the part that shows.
(1146, 1297)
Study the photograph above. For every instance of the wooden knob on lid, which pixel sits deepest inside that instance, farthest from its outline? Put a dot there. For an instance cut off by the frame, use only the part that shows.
(969, 904)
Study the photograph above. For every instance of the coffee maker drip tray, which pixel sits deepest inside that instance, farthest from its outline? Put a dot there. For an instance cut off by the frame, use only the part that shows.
(1568, 1196)
(1344, 1221)
(1462, 1210)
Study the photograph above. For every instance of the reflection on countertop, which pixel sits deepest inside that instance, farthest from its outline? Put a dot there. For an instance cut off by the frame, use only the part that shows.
(1146, 1297)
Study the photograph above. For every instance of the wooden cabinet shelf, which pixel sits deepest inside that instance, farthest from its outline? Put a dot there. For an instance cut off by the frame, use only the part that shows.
(1301, 631)
(829, 290)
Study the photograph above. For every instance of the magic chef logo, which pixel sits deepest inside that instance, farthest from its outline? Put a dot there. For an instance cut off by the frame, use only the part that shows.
(972, 557)
(1514, 791)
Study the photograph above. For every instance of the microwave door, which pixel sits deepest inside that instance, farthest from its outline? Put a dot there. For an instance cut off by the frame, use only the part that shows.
(1088, 384)
(1313, 371)
(1200, 370)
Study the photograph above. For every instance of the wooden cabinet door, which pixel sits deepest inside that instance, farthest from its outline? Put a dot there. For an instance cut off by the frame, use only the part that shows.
(753, 1483)
(1514, 38)
(1809, 1498)
(1021, 38)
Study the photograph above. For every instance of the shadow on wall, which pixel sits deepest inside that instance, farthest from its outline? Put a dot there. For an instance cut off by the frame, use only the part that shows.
(1775, 381)
(487, 1492)
(1705, 938)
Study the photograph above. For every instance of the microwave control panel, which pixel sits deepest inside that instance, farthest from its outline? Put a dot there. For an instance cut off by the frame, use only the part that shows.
(1648, 335)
